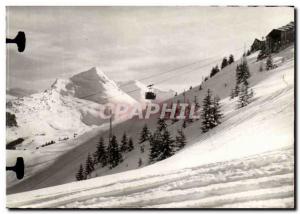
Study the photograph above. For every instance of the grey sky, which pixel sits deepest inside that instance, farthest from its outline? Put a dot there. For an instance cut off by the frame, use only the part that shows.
(131, 42)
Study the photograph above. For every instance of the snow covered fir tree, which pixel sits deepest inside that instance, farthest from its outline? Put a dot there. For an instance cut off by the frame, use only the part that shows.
(211, 112)
(80, 174)
(145, 134)
(242, 89)
(180, 140)
(89, 166)
(113, 153)
(124, 143)
(100, 155)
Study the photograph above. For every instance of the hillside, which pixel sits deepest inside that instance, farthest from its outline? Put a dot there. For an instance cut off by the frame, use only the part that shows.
(273, 94)
(244, 162)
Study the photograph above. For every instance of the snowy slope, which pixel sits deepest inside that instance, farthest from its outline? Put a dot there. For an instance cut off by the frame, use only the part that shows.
(264, 180)
(266, 125)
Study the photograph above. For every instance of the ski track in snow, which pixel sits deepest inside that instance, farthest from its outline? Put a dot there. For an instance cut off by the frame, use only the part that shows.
(267, 177)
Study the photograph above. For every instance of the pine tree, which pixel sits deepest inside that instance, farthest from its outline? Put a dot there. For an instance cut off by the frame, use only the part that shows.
(80, 174)
(213, 72)
(217, 111)
(130, 145)
(224, 63)
(144, 134)
(242, 79)
(200, 87)
(269, 63)
(150, 138)
(166, 146)
(155, 146)
(242, 72)
(231, 59)
(207, 116)
(161, 143)
(100, 155)
(124, 143)
(180, 140)
(245, 72)
(244, 96)
(89, 165)
(114, 154)
(161, 124)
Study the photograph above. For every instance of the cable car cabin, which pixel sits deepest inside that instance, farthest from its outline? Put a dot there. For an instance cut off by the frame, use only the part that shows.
(150, 95)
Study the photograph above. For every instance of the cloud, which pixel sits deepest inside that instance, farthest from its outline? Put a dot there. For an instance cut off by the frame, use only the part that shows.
(129, 42)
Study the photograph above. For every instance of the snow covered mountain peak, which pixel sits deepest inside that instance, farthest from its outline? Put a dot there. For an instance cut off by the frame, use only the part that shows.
(68, 106)
(92, 85)
(93, 74)
(95, 86)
